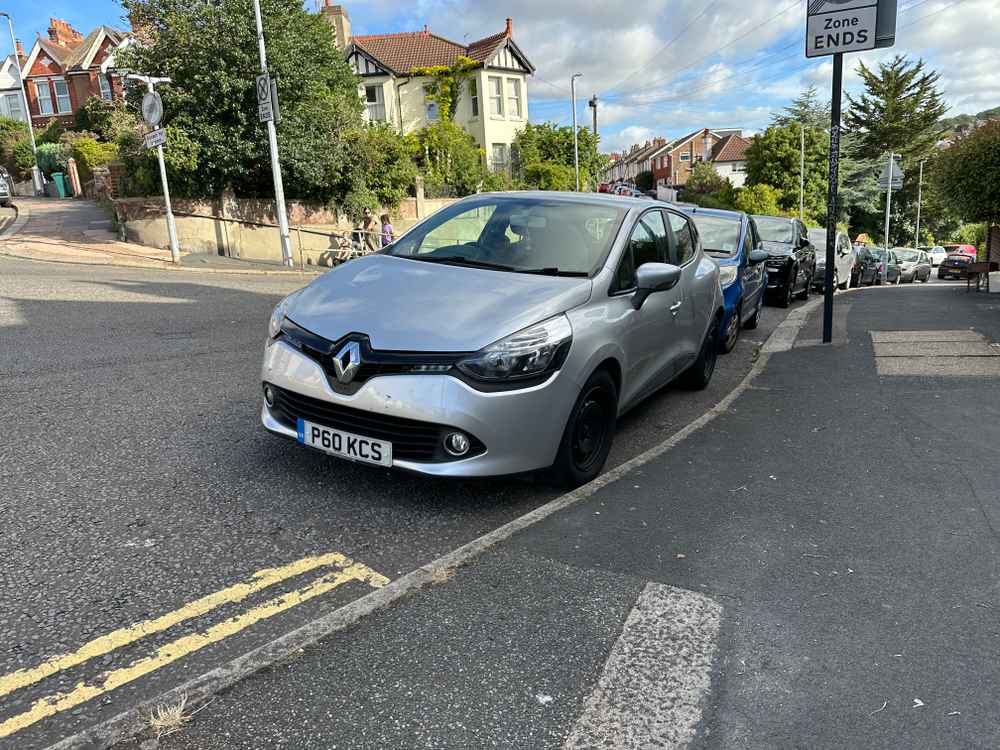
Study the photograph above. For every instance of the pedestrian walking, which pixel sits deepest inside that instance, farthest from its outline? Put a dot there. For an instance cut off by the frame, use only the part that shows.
(387, 231)
(370, 232)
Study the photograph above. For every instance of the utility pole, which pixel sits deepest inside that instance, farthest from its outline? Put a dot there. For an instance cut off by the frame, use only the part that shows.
(175, 253)
(802, 174)
(832, 187)
(920, 187)
(272, 139)
(576, 145)
(888, 206)
(36, 173)
(593, 105)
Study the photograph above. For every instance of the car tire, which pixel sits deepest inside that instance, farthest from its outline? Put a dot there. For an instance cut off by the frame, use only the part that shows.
(786, 296)
(728, 342)
(754, 321)
(804, 294)
(699, 374)
(589, 433)
(925, 279)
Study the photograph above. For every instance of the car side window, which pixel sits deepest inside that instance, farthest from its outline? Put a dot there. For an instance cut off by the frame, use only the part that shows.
(748, 244)
(646, 244)
(756, 234)
(683, 245)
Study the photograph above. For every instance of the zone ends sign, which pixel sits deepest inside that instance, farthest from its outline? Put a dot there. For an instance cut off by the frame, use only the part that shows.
(834, 26)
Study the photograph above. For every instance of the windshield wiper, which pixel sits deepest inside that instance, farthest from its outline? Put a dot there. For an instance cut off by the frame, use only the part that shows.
(552, 271)
(460, 260)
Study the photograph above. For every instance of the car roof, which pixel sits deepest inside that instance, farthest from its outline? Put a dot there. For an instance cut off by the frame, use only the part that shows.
(694, 210)
(571, 197)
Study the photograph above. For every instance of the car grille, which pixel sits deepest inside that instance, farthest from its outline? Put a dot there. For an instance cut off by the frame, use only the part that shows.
(412, 440)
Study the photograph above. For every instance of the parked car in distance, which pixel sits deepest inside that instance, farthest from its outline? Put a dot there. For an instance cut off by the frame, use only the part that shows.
(888, 271)
(969, 250)
(505, 333)
(867, 267)
(792, 258)
(6, 188)
(844, 257)
(914, 265)
(936, 253)
(955, 266)
(730, 238)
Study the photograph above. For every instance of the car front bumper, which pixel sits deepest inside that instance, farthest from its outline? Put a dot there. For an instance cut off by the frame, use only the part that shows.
(520, 430)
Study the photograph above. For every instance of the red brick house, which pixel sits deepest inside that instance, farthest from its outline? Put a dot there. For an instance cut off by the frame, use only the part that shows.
(67, 68)
(672, 162)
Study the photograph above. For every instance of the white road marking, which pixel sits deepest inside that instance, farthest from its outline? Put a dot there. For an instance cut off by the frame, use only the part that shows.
(651, 691)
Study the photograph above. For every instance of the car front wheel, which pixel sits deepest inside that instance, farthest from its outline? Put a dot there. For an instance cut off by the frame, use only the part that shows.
(589, 433)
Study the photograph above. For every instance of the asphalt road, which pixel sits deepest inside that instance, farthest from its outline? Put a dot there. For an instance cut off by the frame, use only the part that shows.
(137, 484)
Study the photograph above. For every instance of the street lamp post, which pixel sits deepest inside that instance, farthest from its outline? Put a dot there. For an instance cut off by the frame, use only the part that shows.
(576, 145)
(802, 174)
(272, 139)
(36, 173)
(920, 187)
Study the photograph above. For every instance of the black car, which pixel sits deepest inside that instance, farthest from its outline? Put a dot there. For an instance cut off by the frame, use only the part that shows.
(791, 264)
(955, 266)
(866, 270)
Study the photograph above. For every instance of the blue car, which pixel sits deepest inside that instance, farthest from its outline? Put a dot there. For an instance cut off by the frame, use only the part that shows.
(730, 238)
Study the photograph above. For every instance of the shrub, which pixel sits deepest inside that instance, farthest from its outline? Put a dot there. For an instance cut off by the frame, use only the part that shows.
(95, 115)
(704, 179)
(51, 133)
(548, 175)
(759, 199)
(23, 157)
(52, 157)
(90, 153)
(644, 180)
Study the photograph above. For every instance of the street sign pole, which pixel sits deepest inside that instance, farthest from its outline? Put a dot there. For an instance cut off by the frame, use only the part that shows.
(802, 173)
(175, 253)
(272, 139)
(920, 188)
(831, 203)
(888, 208)
(576, 146)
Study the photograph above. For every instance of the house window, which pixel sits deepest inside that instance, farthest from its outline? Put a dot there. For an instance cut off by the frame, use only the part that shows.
(62, 96)
(12, 106)
(431, 108)
(374, 104)
(739, 166)
(500, 152)
(474, 96)
(514, 97)
(44, 97)
(496, 96)
(105, 87)
(685, 157)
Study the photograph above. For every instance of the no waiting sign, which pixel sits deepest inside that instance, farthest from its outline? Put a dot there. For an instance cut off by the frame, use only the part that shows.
(834, 26)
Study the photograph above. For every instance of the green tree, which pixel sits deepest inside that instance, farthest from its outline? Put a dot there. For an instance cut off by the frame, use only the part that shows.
(547, 142)
(899, 111)
(449, 158)
(806, 109)
(773, 158)
(643, 180)
(446, 84)
(547, 175)
(90, 153)
(968, 176)
(759, 199)
(704, 179)
(12, 132)
(209, 50)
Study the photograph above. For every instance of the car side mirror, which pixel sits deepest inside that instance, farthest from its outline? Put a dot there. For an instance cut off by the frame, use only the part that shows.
(654, 277)
(758, 256)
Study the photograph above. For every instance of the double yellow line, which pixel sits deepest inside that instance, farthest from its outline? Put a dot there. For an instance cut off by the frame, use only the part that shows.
(347, 570)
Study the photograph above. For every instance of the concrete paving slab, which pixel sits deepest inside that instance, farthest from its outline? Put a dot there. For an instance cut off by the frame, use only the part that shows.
(938, 349)
(939, 367)
(899, 337)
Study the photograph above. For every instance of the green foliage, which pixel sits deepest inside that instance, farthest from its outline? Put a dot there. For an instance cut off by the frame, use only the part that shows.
(446, 84)
(899, 111)
(704, 180)
(968, 174)
(51, 133)
(644, 180)
(759, 199)
(52, 157)
(90, 153)
(773, 159)
(209, 50)
(711, 200)
(23, 157)
(547, 175)
(384, 170)
(970, 234)
(448, 156)
(95, 115)
(11, 129)
(12, 132)
(547, 142)
(497, 181)
(961, 123)
(805, 109)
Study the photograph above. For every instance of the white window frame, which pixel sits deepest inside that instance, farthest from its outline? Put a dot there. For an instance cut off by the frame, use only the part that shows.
(495, 96)
(499, 164)
(107, 93)
(514, 109)
(686, 156)
(13, 107)
(46, 105)
(375, 110)
(60, 97)
(474, 96)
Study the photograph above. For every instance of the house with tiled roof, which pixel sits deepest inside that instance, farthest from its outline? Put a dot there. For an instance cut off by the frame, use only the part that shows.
(729, 157)
(64, 70)
(11, 100)
(493, 107)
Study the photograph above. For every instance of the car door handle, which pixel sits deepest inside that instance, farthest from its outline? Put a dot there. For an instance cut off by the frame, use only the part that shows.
(675, 307)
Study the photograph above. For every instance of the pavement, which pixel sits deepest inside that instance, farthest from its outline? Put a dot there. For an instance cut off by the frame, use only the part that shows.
(154, 532)
(817, 567)
(82, 232)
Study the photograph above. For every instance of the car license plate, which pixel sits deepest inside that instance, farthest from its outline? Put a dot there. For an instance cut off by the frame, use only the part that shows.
(345, 444)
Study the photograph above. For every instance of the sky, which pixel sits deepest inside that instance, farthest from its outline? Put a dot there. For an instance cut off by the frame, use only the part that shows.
(658, 67)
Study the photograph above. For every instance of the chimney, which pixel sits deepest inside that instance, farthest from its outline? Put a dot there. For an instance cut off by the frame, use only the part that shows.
(63, 34)
(340, 22)
(510, 28)
(426, 32)
(19, 51)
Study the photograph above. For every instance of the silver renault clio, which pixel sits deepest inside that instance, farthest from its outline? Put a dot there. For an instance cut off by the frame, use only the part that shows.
(504, 334)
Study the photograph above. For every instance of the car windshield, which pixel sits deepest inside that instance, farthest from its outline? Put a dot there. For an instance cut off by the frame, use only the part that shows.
(774, 229)
(517, 234)
(907, 256)
(720, 235)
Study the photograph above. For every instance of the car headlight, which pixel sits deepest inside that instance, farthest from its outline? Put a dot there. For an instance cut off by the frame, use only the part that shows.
(532, 351)
(278, 316)
(727, 275)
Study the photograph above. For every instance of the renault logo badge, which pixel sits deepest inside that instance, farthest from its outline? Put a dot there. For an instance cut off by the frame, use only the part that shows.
(347, 361)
